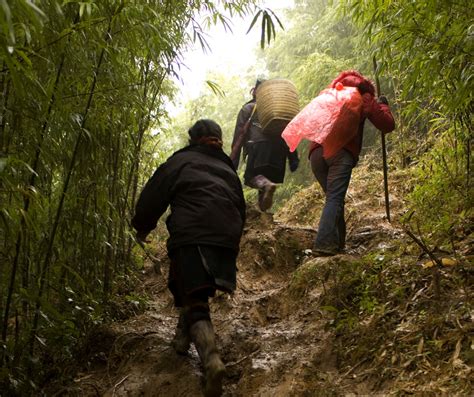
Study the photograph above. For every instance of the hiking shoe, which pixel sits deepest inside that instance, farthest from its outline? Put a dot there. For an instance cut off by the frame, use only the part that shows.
(325, 251)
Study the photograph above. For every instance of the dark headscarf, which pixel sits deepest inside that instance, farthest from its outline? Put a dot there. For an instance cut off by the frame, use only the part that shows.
(206, 132)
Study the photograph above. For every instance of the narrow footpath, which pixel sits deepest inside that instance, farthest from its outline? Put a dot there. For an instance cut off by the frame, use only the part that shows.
(276, 334)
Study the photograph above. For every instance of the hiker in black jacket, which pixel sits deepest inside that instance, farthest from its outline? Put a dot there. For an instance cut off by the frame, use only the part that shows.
(200, 185)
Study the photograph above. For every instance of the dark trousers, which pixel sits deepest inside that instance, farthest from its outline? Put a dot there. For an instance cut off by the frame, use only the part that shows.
(195, 308)
(200, 270)
(334, 175)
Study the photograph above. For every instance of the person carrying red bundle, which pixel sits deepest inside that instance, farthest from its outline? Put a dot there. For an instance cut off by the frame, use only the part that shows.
(334, 173)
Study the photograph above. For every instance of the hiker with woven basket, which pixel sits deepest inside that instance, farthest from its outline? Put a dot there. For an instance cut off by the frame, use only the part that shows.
(258, 131)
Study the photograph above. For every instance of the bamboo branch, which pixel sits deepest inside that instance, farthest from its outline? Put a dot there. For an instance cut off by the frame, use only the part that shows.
(423, 246)
(49, 249)
(432, 256)
(27, 199)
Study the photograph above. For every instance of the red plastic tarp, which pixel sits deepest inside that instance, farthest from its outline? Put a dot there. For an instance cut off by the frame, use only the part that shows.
(331, 119)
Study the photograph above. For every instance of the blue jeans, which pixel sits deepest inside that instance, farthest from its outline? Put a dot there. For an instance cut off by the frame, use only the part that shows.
(334, 175)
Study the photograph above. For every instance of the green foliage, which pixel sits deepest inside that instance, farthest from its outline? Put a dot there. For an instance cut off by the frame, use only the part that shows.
(441, 206)
(268, 26)
(436, 35)
(426, 49)
(327, 48)
(82, 124)
(384, 310)
(351, 288)
(222, 107)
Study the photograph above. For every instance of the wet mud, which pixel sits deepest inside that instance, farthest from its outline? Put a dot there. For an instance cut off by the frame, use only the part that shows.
(273, 337)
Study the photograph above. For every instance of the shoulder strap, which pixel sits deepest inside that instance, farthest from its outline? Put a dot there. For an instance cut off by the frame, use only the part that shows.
(253, 112)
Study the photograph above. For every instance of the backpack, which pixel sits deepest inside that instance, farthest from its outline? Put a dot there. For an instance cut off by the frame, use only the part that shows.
(331, 119)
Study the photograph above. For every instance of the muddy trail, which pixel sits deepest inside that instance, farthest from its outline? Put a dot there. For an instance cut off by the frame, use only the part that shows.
(273, 333)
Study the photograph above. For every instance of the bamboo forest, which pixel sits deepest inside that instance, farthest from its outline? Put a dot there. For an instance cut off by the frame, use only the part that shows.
(95, 95)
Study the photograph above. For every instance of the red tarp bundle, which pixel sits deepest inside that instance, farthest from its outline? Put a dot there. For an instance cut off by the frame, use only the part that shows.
(331, 119)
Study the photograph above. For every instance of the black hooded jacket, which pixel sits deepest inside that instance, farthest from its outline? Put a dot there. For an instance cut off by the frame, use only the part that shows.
(200, 184)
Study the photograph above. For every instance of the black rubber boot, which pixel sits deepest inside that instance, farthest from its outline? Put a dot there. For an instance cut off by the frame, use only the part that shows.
(202, 334)
(181, 341)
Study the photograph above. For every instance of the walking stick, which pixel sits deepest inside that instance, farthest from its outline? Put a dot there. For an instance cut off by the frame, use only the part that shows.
(384, 150)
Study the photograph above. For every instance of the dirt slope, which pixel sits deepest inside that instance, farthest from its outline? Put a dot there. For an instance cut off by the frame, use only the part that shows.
(274, 334)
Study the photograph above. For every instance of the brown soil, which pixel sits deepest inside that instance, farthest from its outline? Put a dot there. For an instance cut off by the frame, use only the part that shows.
(274, 337)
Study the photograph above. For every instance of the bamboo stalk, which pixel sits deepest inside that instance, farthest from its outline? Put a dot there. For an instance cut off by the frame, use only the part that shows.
(6, 93)
(133, 181)
(27, 200)
(70, 169)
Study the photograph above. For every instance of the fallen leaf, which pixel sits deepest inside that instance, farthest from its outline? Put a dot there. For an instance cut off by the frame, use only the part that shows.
(457, 350)
(420, 345)
(80, 379)
(428, 264)
(444, 261)
(448, 262)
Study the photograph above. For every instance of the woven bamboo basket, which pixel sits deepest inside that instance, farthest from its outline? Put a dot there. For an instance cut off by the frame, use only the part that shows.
(277, 104)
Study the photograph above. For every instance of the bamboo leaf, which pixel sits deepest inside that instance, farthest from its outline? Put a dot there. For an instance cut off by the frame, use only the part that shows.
(6, 218)
(269, 28)
(76, 275)
(216, 89)
(254, 20)
(8, 19)
(277, 19)
(36, 9)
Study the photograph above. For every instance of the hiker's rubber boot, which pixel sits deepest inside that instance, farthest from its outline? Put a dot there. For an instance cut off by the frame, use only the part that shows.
(266, 188)
(265, 197)
(181, 341)
(202, 334)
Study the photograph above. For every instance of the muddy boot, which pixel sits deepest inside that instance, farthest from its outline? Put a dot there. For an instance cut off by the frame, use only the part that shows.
(181, 340)
(265, 197)
(204, 339)
(266, 188)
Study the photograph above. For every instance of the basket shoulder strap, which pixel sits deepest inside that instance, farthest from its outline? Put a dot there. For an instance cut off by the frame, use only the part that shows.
(253, 112)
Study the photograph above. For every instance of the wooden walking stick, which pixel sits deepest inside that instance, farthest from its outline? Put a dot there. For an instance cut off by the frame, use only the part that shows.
(384, 150)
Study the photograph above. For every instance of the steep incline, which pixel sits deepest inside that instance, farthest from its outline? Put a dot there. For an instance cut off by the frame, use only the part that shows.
(290, 328)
